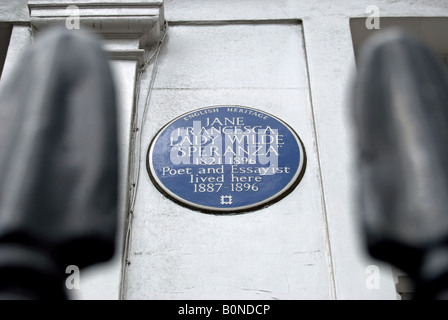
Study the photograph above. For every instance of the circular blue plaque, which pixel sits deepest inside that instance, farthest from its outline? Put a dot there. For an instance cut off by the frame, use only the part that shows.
(226, 159)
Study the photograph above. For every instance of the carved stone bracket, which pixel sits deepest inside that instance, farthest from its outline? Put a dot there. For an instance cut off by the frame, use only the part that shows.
(127, 27)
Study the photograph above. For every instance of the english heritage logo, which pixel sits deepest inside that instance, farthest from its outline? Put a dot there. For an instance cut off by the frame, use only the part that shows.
(226, 159)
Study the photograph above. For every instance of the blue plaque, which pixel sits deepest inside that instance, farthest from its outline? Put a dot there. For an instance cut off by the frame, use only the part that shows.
(226, 159)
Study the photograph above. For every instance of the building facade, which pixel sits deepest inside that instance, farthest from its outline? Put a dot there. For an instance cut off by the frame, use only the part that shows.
(291, 59)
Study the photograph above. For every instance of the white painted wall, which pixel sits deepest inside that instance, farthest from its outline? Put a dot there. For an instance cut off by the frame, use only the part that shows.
(305, 246)
(280, 252)
(18, 43)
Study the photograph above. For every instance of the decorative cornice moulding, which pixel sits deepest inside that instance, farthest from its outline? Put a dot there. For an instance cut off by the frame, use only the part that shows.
(137, 22)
